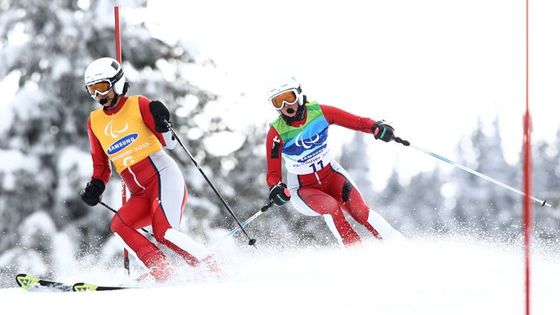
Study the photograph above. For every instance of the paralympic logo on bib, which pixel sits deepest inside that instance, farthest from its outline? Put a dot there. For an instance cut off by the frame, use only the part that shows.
(306, 143)
(122, 143)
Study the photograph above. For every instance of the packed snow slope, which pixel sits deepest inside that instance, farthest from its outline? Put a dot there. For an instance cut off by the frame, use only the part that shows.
(422, 276)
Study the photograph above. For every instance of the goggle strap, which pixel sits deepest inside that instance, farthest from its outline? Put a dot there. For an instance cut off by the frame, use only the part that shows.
(117, 76)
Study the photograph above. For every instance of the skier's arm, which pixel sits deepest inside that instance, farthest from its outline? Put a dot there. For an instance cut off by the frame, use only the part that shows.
(274, 147)
(165, 138)
(279, 192)
(101, 167)
(379, 129)
(345, 119)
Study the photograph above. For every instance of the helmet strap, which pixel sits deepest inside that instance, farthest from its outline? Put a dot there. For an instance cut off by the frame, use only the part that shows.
(125, 88)
(117, 76)
(302, 100)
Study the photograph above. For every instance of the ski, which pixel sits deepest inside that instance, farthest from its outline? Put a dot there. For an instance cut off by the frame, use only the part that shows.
(81, 287)
(31, 283)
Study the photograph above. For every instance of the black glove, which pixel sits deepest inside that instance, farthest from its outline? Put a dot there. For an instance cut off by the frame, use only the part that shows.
(382, 130)
(161, 116)
(91, 195)
(280, 194)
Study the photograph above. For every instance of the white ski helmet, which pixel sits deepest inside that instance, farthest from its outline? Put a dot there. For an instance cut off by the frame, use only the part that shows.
(284, 85)
(106, 69)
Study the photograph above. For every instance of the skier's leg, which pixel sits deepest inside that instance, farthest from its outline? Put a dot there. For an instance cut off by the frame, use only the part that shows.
(384, 228)
(130, 217)
(311, 201)
(191, 251)
(370, 219)
(170, 197)
(351, 198)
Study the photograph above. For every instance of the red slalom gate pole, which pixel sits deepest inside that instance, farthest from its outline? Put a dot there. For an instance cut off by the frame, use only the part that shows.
(118, 55)
(527, 210)
(118, 52)
(527, 173)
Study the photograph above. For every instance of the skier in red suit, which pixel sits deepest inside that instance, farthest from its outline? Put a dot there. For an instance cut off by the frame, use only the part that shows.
(131, 132)
(316, 183)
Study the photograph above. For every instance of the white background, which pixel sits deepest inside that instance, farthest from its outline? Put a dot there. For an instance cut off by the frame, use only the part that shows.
(432, 67)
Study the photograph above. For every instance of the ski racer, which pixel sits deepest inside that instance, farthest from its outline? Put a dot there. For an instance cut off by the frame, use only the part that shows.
(131, 132)
(316, 184)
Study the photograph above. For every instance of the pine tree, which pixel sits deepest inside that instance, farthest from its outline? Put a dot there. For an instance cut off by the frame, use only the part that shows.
(481, 206)
(390, 198)
(423, 204)
(546, 169)
(47, 45)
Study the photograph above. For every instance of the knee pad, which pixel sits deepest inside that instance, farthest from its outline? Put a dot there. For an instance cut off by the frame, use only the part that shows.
(346, 189)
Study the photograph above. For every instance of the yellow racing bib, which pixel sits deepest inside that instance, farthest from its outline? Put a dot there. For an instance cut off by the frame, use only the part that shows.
(124, 136)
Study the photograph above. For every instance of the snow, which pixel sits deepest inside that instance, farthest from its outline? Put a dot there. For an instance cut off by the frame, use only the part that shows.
(8, 86)
(72, 161)
(13, 161)
(404, 66)
(38, 223)
(421, 276)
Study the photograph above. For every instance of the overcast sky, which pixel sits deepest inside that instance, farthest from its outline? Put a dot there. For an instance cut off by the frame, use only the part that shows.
(431, 67)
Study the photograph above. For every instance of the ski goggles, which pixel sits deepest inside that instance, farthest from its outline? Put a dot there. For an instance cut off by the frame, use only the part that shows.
(99, 88)
(289, 97)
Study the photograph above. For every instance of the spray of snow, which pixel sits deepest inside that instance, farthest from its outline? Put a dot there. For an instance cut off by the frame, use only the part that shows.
(451, 275)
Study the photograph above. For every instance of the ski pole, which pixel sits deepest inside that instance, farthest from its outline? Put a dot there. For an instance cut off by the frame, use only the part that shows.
(542, 203)
(252, 241)
(115, 212)
(244, 223)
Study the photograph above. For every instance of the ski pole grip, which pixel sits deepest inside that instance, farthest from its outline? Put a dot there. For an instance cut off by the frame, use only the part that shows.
(267, 206)
(402, 141)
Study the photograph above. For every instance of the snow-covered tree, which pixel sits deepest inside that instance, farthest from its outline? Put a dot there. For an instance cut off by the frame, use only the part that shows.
(46, 46)
(546, 171)
(481, 206)
(423, 203)
(389, 202)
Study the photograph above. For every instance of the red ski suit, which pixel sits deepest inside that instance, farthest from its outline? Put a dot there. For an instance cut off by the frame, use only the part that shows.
(325, 190)
(158, 190)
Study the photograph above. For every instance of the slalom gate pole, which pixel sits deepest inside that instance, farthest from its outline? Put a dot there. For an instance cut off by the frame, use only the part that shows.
(115, 212)
(244, 223)
(252, 241)
(118, 55)
(542, 203)
(527, 220)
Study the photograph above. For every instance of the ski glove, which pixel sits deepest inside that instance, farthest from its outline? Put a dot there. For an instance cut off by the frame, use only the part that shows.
(91, 195)
(280, 194)
(161, 116)
(384, 131)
